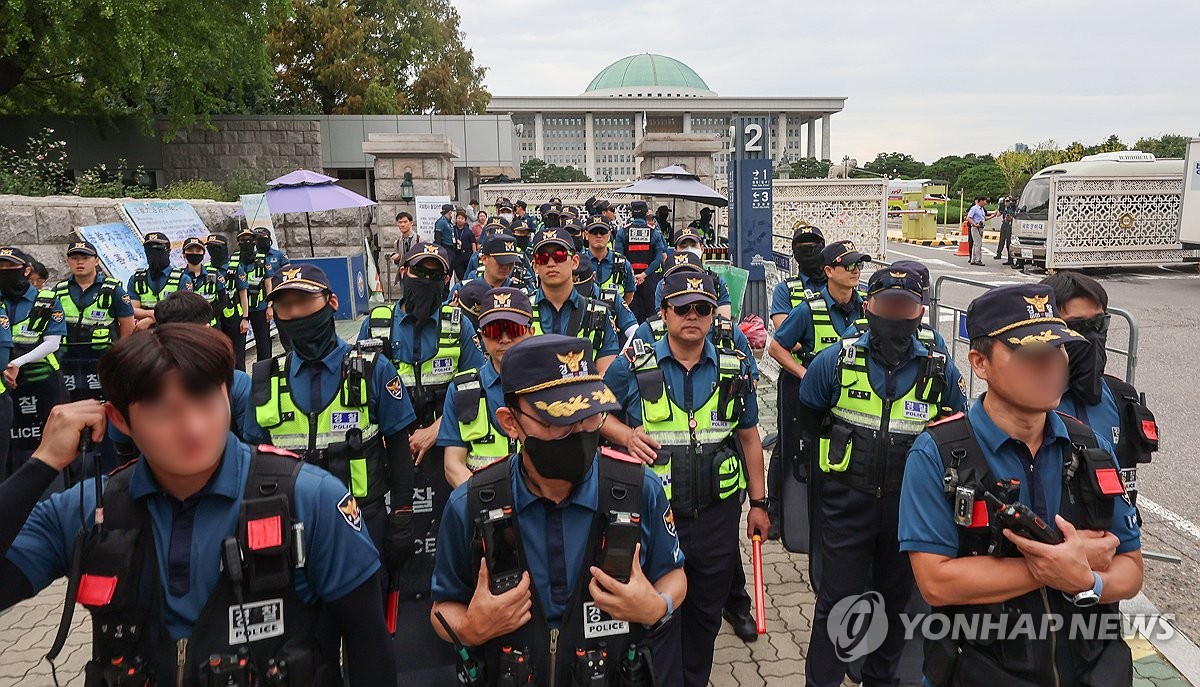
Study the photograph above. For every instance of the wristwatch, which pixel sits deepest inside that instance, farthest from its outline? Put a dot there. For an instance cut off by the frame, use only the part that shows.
(666, 618)
(765, 504)
(1088, 597)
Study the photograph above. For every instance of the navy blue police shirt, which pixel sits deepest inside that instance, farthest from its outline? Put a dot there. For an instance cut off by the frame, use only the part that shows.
(797, 327)
(411, 350)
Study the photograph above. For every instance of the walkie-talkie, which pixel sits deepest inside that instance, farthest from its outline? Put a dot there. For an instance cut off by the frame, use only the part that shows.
(1022, 520)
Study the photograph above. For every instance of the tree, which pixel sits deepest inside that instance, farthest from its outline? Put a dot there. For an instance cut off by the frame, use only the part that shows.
(1167, 145)
(538, 171)
(810, 168)
(1016, 166)
(183, 58)
(949, 167)
(375, 57)
(893, 164)
(981, 180)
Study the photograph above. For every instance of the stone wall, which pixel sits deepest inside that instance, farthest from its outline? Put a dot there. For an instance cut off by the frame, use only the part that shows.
(43, 226)
(270, 146)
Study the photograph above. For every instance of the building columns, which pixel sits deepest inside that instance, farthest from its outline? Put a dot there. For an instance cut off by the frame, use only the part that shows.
(825, 137)
(810, 149)
(639, 125)
(687, 122)
(539, 138)
(589, 142)
(781, 137)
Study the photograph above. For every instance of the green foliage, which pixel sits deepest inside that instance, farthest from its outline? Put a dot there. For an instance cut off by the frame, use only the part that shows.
(375, 57)
(896, 164)
(810, 168)
(981, 180)
(243, 180)
(193, 189)
(1167, 145)
(39, 170)
(181, 58)
(949, 167)
(537, 171)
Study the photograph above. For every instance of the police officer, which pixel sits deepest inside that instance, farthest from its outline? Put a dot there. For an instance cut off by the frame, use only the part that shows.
(38, 327)
(236, 301)
(558, 308)
(260, 544)
(207, 281)
(704, 224)
(469, 300)
(560, 597)
(276, 260)
(504, 212)
(159, 280)
(256, 273)
(499, 262)
(662, 220)
(692, 414)
(645, 249)
(469, 433)
(1110, 406)
(621, 316)
(807, 244)
(97, 310)
(868, 397)
(1012, 447)
(444, 233)
(612, 269)
(521, 215)
(607, 212)
(689, 251)
(724, 332)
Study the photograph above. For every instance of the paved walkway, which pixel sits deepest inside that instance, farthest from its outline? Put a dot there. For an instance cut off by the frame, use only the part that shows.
(774, 659)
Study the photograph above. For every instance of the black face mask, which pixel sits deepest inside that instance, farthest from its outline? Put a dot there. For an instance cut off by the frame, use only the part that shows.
(13, 283)
(551, 222)
(891, 340)
(158, 259)
(313, 336)
(246, 252)
(263, 245)
(422, 297)
(219, 254)
(522, 241)
(194, 258)
(808, 260)
(1087, 360)
(568, 458)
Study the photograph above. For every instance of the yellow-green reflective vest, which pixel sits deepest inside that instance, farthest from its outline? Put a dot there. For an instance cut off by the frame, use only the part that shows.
(869, 436)
(94, 324)
(440, 368)
(700, 463)
(233, 303)
(341, 437)
(29, 332)
(144, 294)
(485, 442)
(616, 278)
(586, 324)
(207, 286)
(255, 276)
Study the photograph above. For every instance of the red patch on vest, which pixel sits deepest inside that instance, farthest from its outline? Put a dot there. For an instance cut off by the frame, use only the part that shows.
(95, 590)
(267, 448)
(264, 533)
(1150, 429)
(946, 419)
(1109, 481)
(979, 515)
(617, 455)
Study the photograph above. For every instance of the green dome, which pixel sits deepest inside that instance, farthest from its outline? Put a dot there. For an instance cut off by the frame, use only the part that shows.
(648, 74)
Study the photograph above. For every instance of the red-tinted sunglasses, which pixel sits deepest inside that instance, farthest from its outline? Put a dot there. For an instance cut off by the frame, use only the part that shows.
(544, 257)
(502, 328)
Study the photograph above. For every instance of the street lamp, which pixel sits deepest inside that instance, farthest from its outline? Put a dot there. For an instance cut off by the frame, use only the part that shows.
(406, 188)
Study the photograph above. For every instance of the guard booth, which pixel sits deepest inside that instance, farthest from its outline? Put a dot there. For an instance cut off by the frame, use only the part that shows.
(917, 221)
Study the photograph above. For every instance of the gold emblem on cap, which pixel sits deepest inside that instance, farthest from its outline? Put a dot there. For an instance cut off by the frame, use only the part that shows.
(291, 274)
(1043, 337)
(565, 408)
(6, 251)
(848, 245)
(510, 246)
(502, 299)
(899, 275)
(79, 244)
(695, 284)
(430, 248)
(571, 360)
(681, 258)
(1038, 302)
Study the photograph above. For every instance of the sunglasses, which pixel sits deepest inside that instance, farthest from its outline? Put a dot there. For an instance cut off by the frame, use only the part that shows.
(1098, 324)
(502, 328)
(599, 232)
(702, 309)
(422, 272)
(855, 266)
(558, 255)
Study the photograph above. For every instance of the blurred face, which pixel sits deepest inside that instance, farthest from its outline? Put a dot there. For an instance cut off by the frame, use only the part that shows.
(554, 273)
(181, 435)
(894, 307)
(82, 265)
(404, 224)
(292, 305)
(598, 242)
(495, 272)
(500, 335)
(1031, 378)
(690, 327)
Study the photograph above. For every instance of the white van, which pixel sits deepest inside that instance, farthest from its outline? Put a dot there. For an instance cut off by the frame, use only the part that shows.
(1106, 210)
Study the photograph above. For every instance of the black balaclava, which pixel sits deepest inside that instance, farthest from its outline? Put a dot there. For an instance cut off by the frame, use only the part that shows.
(891, 341)
(158, 258)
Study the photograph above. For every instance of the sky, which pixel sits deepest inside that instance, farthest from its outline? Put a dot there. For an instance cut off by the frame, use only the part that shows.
(928, 78)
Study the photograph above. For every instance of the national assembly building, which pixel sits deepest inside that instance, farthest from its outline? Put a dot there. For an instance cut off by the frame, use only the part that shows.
(597, 131)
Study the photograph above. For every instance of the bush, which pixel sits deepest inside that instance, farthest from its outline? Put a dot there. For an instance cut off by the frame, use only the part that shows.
(40, 171)
(243, 180)
(193, 189)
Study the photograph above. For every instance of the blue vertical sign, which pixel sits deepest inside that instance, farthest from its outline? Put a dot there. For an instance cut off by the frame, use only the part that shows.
(750, 195)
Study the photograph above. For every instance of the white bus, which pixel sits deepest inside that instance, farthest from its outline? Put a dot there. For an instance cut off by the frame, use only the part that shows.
(1106, 210)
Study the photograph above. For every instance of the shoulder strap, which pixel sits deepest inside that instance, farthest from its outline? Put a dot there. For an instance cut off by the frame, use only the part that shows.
(620, 487)
(120, 510)
(963, 462)
(468, 389)
(1081, 434)
(489, 488)
(260, 379)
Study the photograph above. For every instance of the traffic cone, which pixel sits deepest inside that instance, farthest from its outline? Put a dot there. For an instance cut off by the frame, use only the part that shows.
(964, 246)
